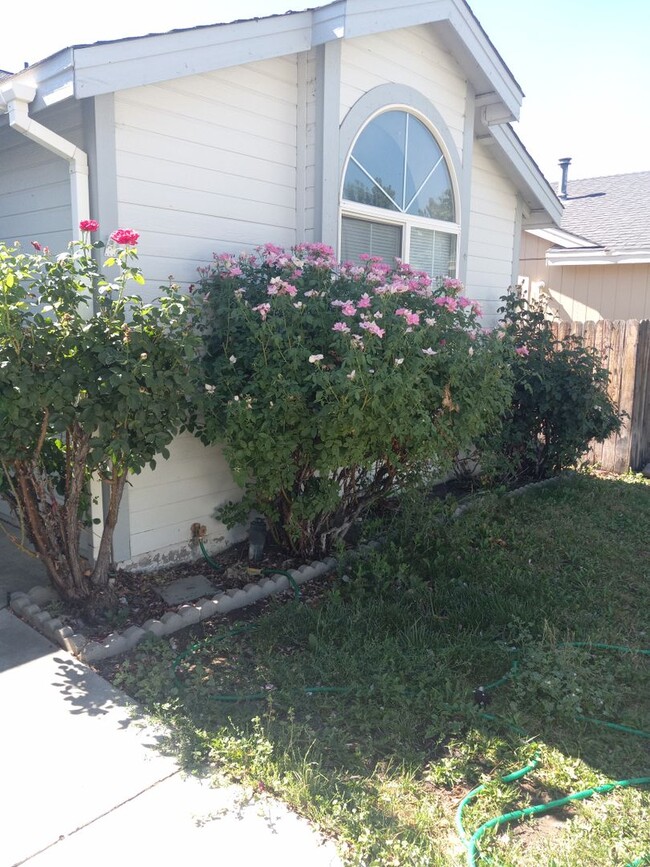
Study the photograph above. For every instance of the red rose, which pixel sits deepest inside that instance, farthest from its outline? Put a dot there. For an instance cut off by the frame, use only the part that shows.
(89, 225)
(125, 236)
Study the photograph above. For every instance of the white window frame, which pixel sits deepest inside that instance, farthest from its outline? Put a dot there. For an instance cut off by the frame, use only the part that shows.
(371, 213)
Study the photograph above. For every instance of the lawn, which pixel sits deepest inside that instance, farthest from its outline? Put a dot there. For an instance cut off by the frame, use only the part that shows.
(358, 704)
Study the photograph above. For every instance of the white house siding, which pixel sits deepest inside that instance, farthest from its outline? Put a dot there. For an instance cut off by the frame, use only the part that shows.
(415, 57)
(207, 164)
(491, 232)
(165, 502)
(35, 183)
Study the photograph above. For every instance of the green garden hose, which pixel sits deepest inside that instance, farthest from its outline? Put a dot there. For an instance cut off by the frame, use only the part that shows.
(208, 559)
(471, 842)
(265, 572)
(289, 577)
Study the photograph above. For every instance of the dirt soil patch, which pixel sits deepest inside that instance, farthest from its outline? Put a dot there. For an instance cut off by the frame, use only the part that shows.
(136, 593)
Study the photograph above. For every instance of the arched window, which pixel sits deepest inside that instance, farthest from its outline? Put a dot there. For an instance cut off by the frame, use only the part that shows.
(398, 197)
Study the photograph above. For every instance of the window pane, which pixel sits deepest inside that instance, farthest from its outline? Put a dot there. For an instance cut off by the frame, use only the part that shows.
(433, 252)
(422, 155)
(364, 236)
(436, 198)
(397, 164)
(359, 188)
(380, 150)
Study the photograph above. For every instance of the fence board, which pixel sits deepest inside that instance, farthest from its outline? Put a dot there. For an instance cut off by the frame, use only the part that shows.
(640, 436)
(624, 348)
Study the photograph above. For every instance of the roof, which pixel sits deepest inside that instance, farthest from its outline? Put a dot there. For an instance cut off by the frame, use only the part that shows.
(105, 67)
(606, 221)
(611, 211)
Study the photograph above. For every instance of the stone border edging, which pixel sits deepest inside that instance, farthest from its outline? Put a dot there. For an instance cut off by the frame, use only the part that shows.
(28, 605)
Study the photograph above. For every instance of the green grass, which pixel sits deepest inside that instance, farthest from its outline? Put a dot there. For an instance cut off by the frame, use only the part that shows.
(446, 606)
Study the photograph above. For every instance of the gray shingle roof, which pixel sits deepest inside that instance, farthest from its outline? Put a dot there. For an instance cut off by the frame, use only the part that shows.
(612, 211)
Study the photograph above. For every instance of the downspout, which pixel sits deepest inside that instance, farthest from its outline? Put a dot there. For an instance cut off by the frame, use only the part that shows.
(16, 97)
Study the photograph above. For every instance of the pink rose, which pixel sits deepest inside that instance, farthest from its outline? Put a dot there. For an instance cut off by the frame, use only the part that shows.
(523, 351)
(89, 225)
(263, 310)
(36, 246)
(125, 236)
(340, 326)
(373, 328)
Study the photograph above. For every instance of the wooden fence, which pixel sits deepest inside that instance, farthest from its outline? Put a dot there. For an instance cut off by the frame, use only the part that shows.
(624, 347)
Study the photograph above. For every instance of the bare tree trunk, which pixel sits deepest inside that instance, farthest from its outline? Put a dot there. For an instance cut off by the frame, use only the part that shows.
(47, 527)
(103, 560)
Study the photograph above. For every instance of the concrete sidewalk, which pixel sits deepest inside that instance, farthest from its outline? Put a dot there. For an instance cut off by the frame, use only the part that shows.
(18, 571)
(84, 781)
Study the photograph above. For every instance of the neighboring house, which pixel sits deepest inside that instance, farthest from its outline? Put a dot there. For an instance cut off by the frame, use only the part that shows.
(598, 265)
(378, 127)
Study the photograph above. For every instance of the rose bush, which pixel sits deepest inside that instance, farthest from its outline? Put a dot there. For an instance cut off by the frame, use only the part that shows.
(93, 383)
(332, 387)
(559, 401)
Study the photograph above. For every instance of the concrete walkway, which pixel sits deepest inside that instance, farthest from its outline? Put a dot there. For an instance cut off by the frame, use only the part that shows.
(85, 781)
(18, 571)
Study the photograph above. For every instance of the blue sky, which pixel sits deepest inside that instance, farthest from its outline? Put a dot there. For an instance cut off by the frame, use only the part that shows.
(584, 65)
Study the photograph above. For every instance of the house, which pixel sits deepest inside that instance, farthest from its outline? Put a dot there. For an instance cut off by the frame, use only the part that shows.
(597, 265)
(369, 126)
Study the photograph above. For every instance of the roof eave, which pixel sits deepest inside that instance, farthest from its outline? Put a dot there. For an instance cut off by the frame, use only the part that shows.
(53, 79)
(86, 71)
(561, 237)
(545, 209)
(599, 256)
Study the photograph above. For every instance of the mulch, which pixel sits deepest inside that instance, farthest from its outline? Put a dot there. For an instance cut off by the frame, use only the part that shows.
(136, 593)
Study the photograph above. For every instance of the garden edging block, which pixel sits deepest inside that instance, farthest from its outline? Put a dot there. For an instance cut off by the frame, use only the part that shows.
(25, 605)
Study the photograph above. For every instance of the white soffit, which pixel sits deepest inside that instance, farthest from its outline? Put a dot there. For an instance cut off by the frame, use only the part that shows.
(598, 256)
(561, 237)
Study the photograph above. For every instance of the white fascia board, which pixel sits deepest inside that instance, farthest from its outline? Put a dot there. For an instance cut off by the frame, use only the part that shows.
(329, 23)
(132, 62)
(52, 78)
(561, 237)
(150, 59)
(523, 171)
(460, 31)
(599, 256)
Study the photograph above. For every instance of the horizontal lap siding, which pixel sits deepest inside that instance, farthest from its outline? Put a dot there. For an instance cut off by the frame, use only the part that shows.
(415, 57)
(204, 164)
(35, 183)
(165, 502)
(491, 232)
(207, 164)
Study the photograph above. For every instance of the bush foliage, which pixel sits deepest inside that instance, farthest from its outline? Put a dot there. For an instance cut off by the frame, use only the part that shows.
(559, 402)
(93, 383)
(332, 387)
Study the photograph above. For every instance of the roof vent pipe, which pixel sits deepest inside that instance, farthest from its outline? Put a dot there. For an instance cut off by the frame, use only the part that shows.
(565, 162)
